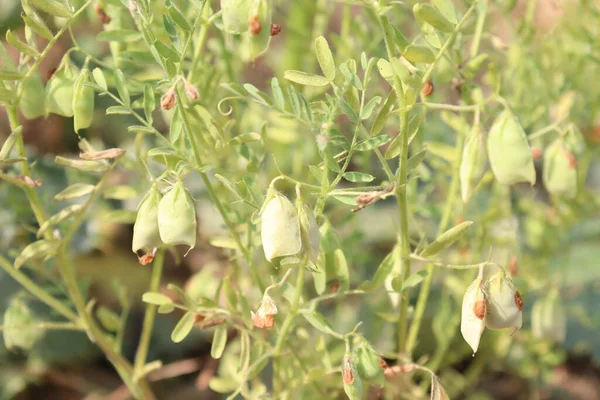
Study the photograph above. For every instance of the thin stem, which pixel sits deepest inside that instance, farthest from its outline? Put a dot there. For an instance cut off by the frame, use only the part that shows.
(37, 291)
(287, 324)
(47, 326)
(150, 315)
(213, 196)
(426, 286)
(449, 41)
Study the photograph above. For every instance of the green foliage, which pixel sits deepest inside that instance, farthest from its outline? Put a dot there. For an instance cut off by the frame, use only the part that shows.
(381, 133)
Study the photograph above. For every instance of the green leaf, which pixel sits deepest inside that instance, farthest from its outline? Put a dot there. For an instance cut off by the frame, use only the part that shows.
(368, 109)
(418, 54)
(317, 320)
(120, 192)
(446, 239)
(347, 109)
(52, 7)
(167, 51)
(37, 25)
(9, 144)
(99, 78)
(158, 299)
(277, 94)
(413, 280)
(304, 78)
(82, 165)
(20, 46)
(219, 342)
(351, 76)
(246, 137)
(178, 16)
(382, 117)
(415, 160)
(446, 8)
(108, 319)
(372, 143)
(119, 110)
(325, 58)
(39, 249)
(149, 102)
(341, 269)
(385, 268)
(183, 327)
(119, 35)
(358, 177)
(350, 200)
(59, 217)
(121, 85)
(427, 13)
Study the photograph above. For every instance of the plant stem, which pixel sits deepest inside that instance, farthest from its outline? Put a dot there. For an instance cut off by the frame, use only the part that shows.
(213, 196)
(401, 256)
(49, 326)
(37, 291)
(149, 316)
(291, 313)
(426, 286)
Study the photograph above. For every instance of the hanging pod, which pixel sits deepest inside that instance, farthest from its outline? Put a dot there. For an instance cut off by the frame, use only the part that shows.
(472, 322)
(560, 170)
(280, 228)
(309, 229)
(351, 379)
(59, 95)
(83, 102)
(368, 361)
(549, 318)
(473, 164)
(235, 15)
(504, 303)
(177, 217)
(146, 234)
(259, 30)
(509, 152)
(33, 102)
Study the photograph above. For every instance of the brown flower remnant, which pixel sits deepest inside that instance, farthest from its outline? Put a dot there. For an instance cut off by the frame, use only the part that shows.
(368, 198)
(29, 181)
(275, 29)
(348, 374)
(146, 259)
(264, 318)
(536, 152)
(104, 18)
(513, 266)
(255, 26)
(209, 323)
(396, 370)
(479, 309)
(132, 7)
(191, 91)
(571, 157)
(335, 287)
(51, 73)
(519, 300)
(103, 154)
(168, 100)
(383, 364)
(427, 89)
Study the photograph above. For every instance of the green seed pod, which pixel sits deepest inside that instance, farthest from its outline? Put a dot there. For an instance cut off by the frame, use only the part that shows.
(509, 152)
(504, 303)
(352, 382)
(33, 103)
(427, 13)
(19, 326)
(548, 318)
(259, 30)
(472, 165)
(280, 228)
(368, 361)
(59, 96)
(309, 229)
(235, 15)
(177, 217)
(83, 102)
(146, 235)
(560, 170)
(472, 323)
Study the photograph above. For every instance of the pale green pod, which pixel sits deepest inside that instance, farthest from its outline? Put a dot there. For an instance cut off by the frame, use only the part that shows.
(33, 102)
(504, 303)
(311, 236)
(59, 96)
(19, 326)
(236, 14)
(560, 170)
(549, 318)
(259, 33)
(509, 152)
(472, 165)
(280, 228)
(177, 217)
(368, 361)
(351, 379)
(146, 234)
(83, 102)
(472, 322)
